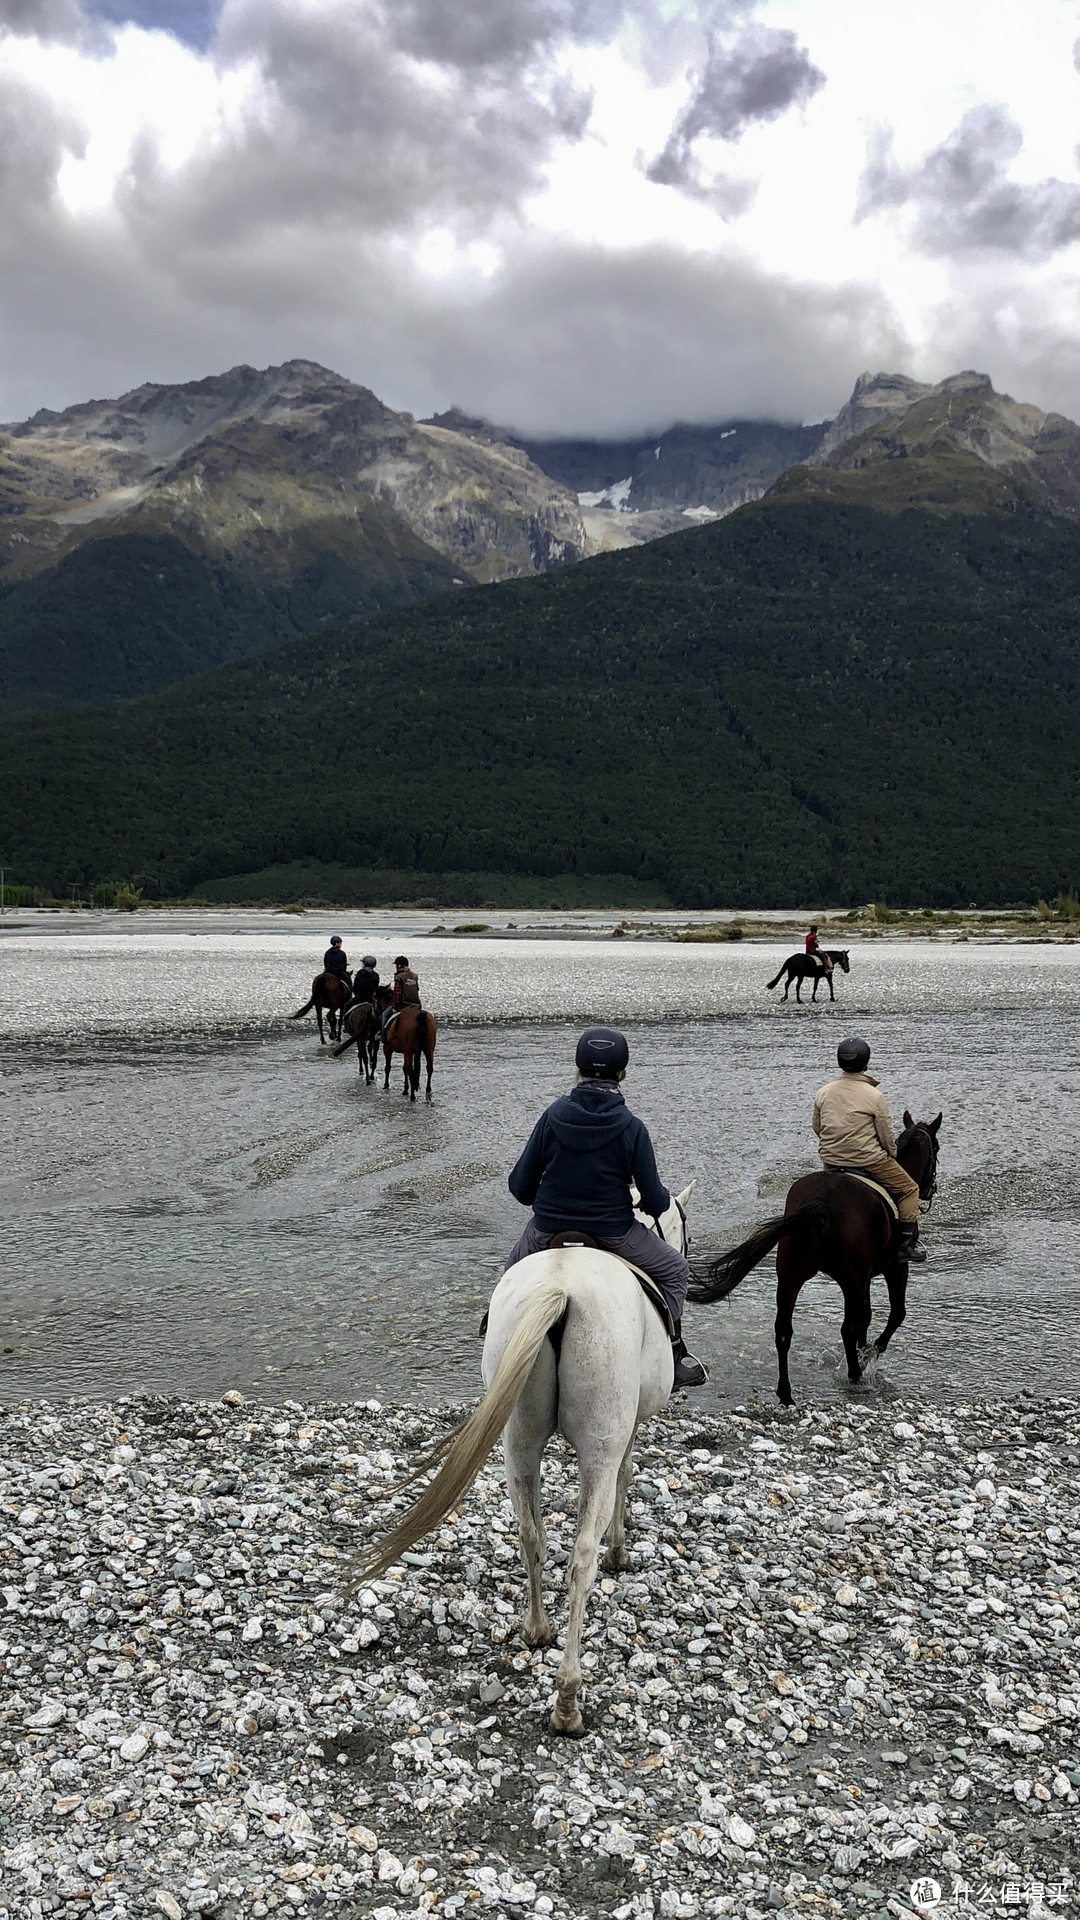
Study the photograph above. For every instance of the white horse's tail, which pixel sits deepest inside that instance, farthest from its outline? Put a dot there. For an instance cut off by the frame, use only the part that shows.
(464, 1451)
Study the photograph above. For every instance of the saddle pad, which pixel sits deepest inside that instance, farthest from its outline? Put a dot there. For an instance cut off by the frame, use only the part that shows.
(881, 1192)
(649, 1286)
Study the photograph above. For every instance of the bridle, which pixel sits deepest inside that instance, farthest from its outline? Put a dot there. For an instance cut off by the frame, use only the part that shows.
(928, 1183)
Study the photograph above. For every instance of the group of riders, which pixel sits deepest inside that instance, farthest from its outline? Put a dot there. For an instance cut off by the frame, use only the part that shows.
(364, 984)
(588, 1155)
(587, 1152)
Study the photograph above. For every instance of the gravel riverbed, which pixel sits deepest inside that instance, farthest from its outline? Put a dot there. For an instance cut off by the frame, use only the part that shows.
(840, 1676)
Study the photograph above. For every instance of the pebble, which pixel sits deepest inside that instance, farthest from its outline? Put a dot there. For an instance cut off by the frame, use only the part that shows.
(844, 1662)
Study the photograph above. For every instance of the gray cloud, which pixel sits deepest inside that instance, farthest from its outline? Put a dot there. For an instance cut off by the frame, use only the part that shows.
(583, 340)
(352, 130)
(757, 79)
(294, 235)
(43, 19)
(34, 140)
(963, 199)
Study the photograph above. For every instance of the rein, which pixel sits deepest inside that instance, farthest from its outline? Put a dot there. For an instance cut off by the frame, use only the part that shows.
(658, 1229)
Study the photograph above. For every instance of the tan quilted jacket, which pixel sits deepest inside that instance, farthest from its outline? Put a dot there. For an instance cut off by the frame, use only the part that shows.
(851, 1120)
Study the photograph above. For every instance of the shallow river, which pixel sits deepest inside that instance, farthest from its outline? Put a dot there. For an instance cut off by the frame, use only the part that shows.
(196, 1196)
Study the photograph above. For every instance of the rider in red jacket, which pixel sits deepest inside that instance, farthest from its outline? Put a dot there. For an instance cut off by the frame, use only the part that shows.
(813, 946)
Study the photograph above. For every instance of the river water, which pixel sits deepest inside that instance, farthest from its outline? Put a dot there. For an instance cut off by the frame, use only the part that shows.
(196, 1196)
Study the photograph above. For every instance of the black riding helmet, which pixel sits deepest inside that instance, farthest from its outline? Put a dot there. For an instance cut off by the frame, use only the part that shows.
(853, 1056)
(602, 1053)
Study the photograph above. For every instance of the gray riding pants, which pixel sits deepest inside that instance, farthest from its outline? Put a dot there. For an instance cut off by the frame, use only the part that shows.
(647, 1251)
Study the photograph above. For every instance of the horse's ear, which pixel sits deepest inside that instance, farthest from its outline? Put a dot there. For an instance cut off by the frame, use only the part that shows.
(685, 1196)
(908, 1121)
(933, 1125)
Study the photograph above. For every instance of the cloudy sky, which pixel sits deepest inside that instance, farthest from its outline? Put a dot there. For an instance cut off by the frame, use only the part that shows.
(587, 216)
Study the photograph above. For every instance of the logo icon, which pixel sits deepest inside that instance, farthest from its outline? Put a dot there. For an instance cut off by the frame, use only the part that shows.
(925, 1893)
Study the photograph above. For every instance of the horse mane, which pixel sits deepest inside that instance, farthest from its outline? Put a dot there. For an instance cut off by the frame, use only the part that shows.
(908, 1135)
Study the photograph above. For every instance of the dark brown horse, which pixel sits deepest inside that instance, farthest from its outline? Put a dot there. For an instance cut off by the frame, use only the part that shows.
(810, 966)
(363, 1023)
(836, 1225)
(412, 1034)
(329, 995)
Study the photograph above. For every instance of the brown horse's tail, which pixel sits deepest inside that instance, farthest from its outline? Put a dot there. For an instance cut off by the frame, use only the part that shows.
(770, 984)
(300, 1011)
(723, 1274)
(352, 1041)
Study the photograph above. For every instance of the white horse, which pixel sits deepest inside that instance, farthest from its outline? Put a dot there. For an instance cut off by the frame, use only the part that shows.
(613, 1369)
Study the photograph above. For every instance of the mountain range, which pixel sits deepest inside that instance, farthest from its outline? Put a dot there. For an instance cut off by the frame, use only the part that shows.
(860, 684)
(182, 527)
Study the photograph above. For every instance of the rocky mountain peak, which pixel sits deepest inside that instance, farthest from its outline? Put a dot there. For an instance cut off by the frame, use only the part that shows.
(957, 446)
(255, 457)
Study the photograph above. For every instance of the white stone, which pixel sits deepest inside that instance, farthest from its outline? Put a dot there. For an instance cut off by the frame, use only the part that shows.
(134, 1746)
(740, 1831)
(48, 1715)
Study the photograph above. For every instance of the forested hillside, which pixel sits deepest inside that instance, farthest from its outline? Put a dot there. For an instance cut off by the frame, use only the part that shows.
(129, 614)
(801, 701)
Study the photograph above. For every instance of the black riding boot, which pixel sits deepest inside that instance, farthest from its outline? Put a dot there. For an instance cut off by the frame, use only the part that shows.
(907, 1248)
(689, 1371)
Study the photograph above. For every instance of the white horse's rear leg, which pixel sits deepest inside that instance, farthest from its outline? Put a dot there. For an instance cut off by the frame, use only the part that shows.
(616, 1557)
(523, 1486)
(596, 1506)
(527, 1433)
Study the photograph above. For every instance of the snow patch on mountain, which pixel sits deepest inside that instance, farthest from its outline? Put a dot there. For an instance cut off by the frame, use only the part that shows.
(616, 497)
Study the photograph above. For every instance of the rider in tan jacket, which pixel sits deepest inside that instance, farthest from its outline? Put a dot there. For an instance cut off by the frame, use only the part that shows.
(854, 1129)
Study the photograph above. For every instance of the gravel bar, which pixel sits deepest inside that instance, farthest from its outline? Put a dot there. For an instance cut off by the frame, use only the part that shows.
(840, 1676)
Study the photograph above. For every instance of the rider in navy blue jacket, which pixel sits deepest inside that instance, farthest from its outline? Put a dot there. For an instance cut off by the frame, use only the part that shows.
(582, 1158)
(580, 1161)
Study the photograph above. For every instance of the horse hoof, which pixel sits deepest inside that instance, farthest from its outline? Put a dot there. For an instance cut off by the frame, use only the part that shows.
(616, 1562)
(542, 1635)
(570, 1725)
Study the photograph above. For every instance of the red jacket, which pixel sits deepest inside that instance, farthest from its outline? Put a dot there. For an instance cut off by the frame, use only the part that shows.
(811, 943)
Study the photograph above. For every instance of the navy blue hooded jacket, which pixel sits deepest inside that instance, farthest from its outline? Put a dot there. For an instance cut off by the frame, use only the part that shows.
(580, 1160)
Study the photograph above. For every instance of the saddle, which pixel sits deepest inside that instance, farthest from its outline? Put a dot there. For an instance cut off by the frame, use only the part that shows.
(573, 1237)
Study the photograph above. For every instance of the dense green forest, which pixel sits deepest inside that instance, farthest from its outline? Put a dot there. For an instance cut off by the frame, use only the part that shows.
(131, 613)
(803, 701)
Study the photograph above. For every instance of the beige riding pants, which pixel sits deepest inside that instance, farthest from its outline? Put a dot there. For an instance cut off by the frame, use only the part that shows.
(890, 1175)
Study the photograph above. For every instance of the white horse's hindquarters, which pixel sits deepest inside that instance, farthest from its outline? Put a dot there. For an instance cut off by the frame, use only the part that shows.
(615, 1364)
